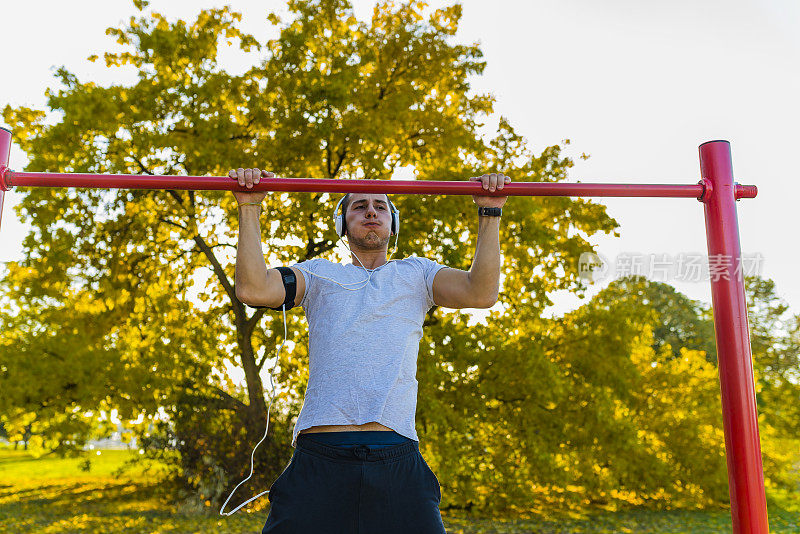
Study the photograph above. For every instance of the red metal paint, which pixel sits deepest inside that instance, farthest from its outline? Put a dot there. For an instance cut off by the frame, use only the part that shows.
(5, 150)
(321, 185)
(739, 416)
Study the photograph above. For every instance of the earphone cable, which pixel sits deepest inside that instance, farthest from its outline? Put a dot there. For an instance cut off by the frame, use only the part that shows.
(271, 382)
(271, 397)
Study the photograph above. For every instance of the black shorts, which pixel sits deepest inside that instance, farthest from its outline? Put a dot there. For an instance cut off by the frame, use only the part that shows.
(356, 489)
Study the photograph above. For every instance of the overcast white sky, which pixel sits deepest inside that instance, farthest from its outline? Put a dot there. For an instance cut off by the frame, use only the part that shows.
(636, 85)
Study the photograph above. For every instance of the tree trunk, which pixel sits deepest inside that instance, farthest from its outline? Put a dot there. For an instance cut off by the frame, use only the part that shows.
(257, 407)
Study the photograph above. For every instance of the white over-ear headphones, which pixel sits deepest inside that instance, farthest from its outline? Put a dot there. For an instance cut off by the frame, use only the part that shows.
(339, 218)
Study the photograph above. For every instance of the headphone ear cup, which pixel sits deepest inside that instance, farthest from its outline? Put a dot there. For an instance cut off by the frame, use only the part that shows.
(338, 219)
(338, 224)
(395, 221)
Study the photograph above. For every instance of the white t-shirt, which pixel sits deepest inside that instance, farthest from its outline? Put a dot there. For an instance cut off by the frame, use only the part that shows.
(363, 344)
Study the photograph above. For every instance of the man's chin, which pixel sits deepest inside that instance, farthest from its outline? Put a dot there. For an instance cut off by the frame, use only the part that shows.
(371, 241)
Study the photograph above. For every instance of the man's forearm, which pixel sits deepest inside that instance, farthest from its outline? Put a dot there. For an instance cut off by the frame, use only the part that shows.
(251, 269)
(484, 274)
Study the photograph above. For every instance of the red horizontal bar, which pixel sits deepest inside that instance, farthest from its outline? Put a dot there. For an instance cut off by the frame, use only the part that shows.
(320, 185)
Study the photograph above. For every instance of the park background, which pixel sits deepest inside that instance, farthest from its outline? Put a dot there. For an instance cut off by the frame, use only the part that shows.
(635, 86)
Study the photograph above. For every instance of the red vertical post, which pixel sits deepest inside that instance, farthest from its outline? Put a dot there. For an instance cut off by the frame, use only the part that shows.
(739, 416)
(5, 149)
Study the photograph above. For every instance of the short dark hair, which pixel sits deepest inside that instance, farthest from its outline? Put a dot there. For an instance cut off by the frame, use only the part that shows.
(346, 203)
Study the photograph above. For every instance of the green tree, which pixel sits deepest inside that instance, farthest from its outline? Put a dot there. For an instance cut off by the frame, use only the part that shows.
(678, 321)
(775, 343)
(591, 414)
(594, 408)
(671, 445)
(678, 405)
(98, 315)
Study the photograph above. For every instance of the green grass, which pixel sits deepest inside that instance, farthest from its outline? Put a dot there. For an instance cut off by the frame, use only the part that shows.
(49, 495)
(20, 465)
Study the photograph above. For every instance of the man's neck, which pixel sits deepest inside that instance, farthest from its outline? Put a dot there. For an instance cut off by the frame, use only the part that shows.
(371, 260)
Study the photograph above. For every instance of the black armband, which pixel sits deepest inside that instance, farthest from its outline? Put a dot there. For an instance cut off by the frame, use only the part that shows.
(289, 285)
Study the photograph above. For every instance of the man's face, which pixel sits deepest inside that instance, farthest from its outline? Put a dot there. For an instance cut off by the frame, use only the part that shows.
(369, 220)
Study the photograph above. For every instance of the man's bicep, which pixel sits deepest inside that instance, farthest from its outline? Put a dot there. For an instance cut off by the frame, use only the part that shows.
(452, 289)
(273, 293)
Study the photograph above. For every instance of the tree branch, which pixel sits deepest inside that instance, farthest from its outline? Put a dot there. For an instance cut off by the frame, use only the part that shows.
(341, 155)
(53, 354)
(328, 157)
(141, 165)
(264, 358)
(315, 248)
(224, 395)
(217, 267)
(162, 219)
(430, 318)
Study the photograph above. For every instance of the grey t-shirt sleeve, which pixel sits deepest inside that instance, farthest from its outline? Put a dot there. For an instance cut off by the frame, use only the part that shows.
(307, 267)
(429, 269)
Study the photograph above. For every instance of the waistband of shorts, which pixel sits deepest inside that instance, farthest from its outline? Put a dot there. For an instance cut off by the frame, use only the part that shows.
(375, 439)
(356, 453)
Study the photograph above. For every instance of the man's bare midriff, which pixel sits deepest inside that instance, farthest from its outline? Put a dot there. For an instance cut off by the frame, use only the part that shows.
(372, 425)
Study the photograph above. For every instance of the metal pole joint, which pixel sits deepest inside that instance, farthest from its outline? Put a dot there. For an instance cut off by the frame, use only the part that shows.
(3, 171)
(708, 189)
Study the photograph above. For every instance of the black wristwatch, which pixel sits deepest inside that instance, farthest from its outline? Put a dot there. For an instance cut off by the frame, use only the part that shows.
(489, 212)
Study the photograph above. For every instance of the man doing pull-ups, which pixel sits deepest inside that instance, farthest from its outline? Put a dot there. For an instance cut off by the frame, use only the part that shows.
(356, 467)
